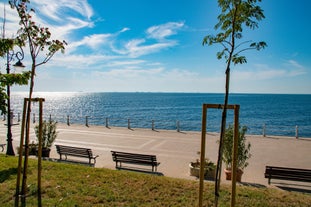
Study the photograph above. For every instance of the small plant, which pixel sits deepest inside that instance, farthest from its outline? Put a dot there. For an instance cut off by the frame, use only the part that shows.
(49, 133)
(208, 165)
(209, 168)
(243, 148)
(33, 147)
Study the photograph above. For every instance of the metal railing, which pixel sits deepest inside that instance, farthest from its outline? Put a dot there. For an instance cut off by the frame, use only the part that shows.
(178, 125)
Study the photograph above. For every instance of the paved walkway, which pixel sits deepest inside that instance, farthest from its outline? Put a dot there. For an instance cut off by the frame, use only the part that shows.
(176, 149)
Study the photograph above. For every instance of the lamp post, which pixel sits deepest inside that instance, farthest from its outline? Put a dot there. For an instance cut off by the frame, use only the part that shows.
(11, 55)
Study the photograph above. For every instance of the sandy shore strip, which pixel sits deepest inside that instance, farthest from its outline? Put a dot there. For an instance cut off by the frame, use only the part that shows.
(175, 150)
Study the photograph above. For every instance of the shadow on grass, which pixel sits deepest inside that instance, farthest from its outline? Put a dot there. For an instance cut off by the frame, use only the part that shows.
(5, 174)
(140, 170)
(255, 185)
(75, 162)
(295, 189)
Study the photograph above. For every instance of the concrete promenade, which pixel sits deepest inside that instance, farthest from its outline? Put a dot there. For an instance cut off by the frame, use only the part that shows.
(176, 149)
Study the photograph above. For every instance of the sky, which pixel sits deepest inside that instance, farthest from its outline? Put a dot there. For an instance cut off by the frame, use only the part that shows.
(156, 46)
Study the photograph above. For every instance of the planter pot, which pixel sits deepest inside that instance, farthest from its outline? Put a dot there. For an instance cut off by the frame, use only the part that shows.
(32, 149)
(194, 171)
(45, 152)
(238, 175)
(208, 174)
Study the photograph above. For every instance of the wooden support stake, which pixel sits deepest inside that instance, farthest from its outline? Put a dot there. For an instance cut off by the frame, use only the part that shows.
(40, 152)
(235, 154)
(25, 149)
(202, 153)
(20, 156)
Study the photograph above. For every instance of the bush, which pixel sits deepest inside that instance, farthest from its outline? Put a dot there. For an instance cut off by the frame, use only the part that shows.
(49, 133)
(243, 147)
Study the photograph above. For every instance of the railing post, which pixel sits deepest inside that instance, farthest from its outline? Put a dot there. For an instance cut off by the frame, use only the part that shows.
(177, 126)
(152, 125)
(34, 118)
(128, 124)
(68, 122)
(18, 117)
(107, 122)
(264, 130)
(87, 121)
(296, 132)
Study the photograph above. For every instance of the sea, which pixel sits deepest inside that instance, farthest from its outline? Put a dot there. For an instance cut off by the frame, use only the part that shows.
(269, 114)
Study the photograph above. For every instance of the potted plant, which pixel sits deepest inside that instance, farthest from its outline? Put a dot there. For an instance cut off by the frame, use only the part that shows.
(49, 135)
(209, 169)
(243, 151)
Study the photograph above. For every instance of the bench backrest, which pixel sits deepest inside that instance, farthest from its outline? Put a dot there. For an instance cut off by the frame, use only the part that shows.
(276, 170)
(132, 156)
(83, 152)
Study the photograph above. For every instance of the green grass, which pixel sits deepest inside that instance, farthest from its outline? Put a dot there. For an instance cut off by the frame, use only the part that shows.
(77, 185)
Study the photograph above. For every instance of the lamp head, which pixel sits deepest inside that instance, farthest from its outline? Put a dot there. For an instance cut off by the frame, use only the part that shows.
(19, 66)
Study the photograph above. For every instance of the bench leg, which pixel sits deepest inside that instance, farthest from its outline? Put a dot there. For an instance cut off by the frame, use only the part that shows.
(61, 157)
(90, 161)
(120, 165)
(3, 145)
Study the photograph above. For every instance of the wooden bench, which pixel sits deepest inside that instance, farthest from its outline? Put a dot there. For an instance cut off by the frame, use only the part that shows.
(132, 158)
(284, 173)
(75, 151)
(2, 146)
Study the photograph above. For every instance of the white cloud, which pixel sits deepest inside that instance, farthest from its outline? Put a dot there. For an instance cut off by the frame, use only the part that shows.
(93, 41)
(296, 69)
(80, 62)
(144, 78)
(125, 63)
(64, 17)
(142, 46)
(136, 48)
(61, 17)
(56, 10)
(162, 31)
(291, 68)
(128, 73)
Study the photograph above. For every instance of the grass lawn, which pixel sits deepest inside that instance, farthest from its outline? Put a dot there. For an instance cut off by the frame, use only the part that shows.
(76, 185)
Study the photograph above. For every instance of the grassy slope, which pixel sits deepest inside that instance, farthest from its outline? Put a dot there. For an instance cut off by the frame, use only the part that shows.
(76, 185)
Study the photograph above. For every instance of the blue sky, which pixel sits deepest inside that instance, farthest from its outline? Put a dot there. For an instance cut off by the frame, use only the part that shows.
(156, 46)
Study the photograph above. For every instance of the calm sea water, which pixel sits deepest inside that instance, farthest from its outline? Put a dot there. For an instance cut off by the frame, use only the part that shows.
(280, 113)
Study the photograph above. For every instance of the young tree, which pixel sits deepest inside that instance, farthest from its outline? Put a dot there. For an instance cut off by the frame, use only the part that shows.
(38, 40)
(234, 17)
